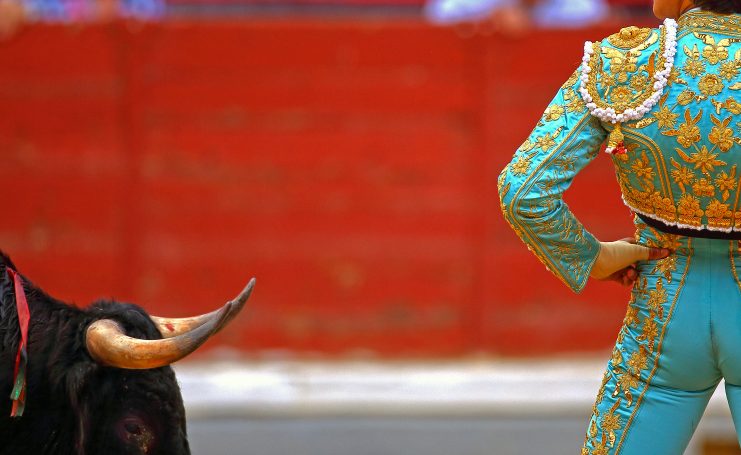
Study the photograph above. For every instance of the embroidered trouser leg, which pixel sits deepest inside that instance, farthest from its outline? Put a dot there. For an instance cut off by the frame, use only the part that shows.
(680, 336)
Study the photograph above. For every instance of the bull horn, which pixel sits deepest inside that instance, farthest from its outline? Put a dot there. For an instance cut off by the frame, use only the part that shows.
(108, 344)
(172, 327)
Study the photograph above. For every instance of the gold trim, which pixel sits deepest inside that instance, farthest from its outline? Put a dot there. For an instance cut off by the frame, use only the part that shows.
(712, 22)
(655, 150)
(595, 64)
(733, 261)
(528, 182)
(735, 204)
(629, 37)
(680, 287)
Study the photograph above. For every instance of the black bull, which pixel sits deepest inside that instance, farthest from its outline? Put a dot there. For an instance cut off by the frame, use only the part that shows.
(98, 379)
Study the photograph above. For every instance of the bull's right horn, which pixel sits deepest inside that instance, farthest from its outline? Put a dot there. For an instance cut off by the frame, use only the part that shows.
(172, 327)
(109, 345)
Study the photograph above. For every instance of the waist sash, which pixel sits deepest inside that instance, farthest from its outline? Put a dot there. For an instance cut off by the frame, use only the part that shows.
(703, 233)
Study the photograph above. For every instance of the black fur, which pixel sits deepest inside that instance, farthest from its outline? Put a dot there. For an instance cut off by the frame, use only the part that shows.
(74, 405)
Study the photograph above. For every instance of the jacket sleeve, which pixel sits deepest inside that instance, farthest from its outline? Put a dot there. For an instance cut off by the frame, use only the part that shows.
(531, 186)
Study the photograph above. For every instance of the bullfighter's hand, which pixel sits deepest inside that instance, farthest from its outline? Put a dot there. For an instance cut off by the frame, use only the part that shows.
(616, 260)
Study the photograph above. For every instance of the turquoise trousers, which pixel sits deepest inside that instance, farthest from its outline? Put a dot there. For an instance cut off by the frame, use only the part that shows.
(680, 336)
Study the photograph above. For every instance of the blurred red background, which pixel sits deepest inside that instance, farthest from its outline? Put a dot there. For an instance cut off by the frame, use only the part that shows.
(350, 165)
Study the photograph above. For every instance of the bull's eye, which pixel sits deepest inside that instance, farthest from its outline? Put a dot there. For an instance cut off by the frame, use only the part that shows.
(133, 430)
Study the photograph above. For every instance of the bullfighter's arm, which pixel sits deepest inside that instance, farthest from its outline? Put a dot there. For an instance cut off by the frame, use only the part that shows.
(531, 186)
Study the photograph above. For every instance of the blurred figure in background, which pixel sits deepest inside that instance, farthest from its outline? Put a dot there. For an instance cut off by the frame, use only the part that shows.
(516, 16)
(15, 13)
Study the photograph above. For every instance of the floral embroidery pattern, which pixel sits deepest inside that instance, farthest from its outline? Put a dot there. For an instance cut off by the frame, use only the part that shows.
(676, 162)
(677, 171)
(635, 357)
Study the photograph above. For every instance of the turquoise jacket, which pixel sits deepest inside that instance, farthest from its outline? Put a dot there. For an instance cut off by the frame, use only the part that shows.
(681, 159)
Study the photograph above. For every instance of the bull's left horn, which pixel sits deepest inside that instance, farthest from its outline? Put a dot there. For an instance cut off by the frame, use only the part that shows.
(109, 345)
(172, 327)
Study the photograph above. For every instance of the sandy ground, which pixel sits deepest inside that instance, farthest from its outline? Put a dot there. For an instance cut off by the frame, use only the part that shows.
(470, 407)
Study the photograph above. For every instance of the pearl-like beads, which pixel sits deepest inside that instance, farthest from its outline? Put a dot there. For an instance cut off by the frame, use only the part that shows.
(661, 78)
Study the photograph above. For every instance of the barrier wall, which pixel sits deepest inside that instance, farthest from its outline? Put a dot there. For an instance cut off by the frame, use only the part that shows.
(350, 165)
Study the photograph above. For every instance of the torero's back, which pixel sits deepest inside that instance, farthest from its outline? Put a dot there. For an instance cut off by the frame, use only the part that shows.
(678, 165)
(666, 101)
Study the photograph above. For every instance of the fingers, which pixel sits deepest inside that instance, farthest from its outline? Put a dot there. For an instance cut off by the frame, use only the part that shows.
(626, 276)
(657, 253)
(653, 253)
(631, 273)
(616, 257)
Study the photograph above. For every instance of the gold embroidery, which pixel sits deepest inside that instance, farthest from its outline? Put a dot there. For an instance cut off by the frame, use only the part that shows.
(631, 316)
(649, 331)
(710, 85)
(681, 175)
(721, 135)
(693, 67)
(732, 250)
(702, 159)
(689, 211)
(622, 64)
(607, 428)
(666, 267)
(642, 167)
(644, 122)
(659, 346)
(729, 70)
(714, 22)
(571, 80)
(719, 215)
(688, 132)
(611, 422)
(656, 299)
(726, 182)
(625, 382)
(629, 37)
(601, 449)
(638, 360)
(639, 82)
(730, 105)
(520, 165)
(713, 52)
(553, 113)
(686, 97)
(546, 142)
(666, 118)
(571, 270)
(703, 187)
(663, 240)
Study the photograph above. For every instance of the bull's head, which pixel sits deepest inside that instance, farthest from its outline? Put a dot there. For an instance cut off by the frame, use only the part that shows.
(98, 379)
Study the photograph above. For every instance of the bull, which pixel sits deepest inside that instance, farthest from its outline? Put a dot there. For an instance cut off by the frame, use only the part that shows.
(94, 381)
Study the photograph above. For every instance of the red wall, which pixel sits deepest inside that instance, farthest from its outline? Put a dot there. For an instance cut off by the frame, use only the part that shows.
(350, 165)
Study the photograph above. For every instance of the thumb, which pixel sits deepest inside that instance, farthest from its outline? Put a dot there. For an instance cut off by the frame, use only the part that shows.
(614, 256)
(625, 253)
(653, 253)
